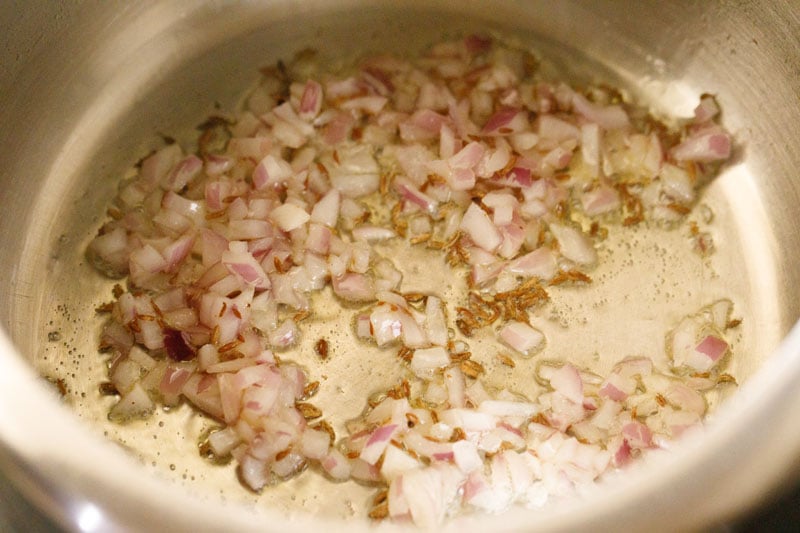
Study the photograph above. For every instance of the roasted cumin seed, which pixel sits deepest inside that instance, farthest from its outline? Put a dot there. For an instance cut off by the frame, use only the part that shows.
(308, 411)
(321, 347)
(472, 368)
(310, 389)
(506, 360)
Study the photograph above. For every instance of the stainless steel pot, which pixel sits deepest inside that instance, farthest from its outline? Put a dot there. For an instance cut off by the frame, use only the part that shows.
(86, 87)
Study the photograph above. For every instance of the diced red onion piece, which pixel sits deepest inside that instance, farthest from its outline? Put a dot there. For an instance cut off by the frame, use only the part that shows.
(223, 441)
(184, 172)
(685, 398)
(505, 408)
(555, 129)
(326, 210)
(705, 110)
(254, 472)
(573, 244)
(285, 335)
(467, 157)
(447, 142)
(590, 146)
(354, 171)
(423, 124)
(460, 179)
(147, 259)
(217, 164)
(155, 167)
(654, 156)
(623, 454)
(567, 381)
(311, 100)
(411, 194)
(611, 391)
(600, 200)
(178, 250)
(637, 434)
(396, 462)
(608, 117)
(713, 347)
(373, 233)
(505, 122)
(339, 128)
(230, 397)
(521, 337)
(249, 147)
(125, 374)
(435, 323)
(314, 443)
(135, 403)
(354, 287)
(289, 465)
(377, 442)
(289, 216)
(676, 183)
(556, 159)
(368, 104)
(173, 381)
(705, 146)
(242, 264)
(468, 419)
(109, 252)
(540, 263)
(384, 323)
(456, 387)
(478, 226)
(634, 367)
(336, 464)
(271, 171)
(425, 362)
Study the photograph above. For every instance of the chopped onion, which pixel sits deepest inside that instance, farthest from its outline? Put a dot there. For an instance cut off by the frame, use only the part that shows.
(223, 441)
(521, 337)
(705, 146)
(377, 442)
(608, 117)
(373, 233)
(316, 185)
(573, 244)
(410, 193)
(426, 361)
(435, 324)
(712, 347)
(354, 287)
(353, 171)
(271, 171)
(336, 464)
(478, 226)
(540, 263)
(326, 211)
(311, 101)
(135, 403)
(289, 216)
(567, 381)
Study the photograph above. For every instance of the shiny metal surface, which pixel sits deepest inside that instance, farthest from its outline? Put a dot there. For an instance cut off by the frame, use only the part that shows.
(88, 86)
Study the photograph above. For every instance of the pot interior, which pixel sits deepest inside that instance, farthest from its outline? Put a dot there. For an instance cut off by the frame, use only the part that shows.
(122, 82)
